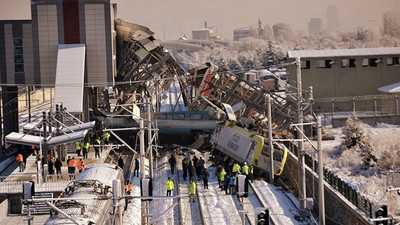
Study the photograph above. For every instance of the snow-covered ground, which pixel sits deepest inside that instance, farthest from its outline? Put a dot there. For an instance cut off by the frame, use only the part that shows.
(212, 205)
(371, 182)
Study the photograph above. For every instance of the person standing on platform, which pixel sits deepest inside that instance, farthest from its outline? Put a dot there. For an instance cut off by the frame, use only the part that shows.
(106, 137)
(78, 147)
(81, 166)
(20, 160)
(97, 142)
(72, 167)
(51, 167)
(251, 171)
(136, 170)
(192, 191)
(185, 167)
(245, 169)
(170, 186)
(172, 163)
(86, 147)
(58, 165)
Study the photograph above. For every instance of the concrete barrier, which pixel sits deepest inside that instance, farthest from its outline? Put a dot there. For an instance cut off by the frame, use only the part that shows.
(338, 210)
(3, 209)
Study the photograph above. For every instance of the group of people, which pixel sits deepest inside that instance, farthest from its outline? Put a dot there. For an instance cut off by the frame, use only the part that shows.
(227, 181)
(82, 148)
(169, 184)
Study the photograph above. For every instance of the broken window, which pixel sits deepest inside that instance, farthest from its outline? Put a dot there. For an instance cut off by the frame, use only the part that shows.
(305, 64)
(161, 116)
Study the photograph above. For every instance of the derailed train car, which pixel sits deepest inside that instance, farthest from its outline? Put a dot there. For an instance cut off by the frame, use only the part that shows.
(84, 206)
(244, 146)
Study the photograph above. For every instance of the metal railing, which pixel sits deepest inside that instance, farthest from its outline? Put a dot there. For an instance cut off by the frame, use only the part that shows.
(356, 198)
(54, 182)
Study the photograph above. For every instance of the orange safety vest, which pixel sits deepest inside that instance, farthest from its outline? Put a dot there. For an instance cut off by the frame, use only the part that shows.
(72, 163)
(126, 187)
(129, 186)
(81, 165)
(19, 158)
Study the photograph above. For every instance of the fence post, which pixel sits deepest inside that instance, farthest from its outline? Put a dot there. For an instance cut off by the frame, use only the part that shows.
(397, 105)
(354, 105)
(375, 107)
(332, 108)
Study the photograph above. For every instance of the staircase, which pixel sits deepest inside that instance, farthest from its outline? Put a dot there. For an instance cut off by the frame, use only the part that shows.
(38, 207)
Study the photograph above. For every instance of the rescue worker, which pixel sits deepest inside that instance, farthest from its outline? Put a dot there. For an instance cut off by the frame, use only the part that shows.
(170, 186)
(72, 167)
(222, 178)
(232, 184)
(86, 147)
(192, 190)
(96, 147)
(106, 137)
(78, 147)
(251, 173)
(185, 166)
(20, 159)
(81, 166)
(236, 168)
(245, 169)
(128, 187)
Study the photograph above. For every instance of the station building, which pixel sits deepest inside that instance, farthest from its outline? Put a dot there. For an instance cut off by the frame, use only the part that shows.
(69, 44)
(346, 72)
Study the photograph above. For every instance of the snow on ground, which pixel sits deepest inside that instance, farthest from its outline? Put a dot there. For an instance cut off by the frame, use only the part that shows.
(132, 215)
(347, 165)
(282, 204)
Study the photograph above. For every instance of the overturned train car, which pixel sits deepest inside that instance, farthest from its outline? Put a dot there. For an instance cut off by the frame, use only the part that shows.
(244, 146)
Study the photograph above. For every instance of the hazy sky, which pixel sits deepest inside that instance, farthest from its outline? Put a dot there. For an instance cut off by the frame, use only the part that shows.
(171, 18)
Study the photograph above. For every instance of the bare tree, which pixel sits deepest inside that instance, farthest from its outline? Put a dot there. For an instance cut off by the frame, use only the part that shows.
(282, 32)
(391, 24)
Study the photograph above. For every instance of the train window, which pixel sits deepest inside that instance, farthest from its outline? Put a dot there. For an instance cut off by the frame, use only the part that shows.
(352, 63)
(179, 116)
(364, 62)
(345, 63)
(161, 116)
(305, 64)
(278, 155)
(196, 116)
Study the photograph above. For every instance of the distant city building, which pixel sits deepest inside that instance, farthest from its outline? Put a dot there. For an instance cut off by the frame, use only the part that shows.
(332, 18)
(240, 33)
(315, 26)
(201, 34)
(204, 34)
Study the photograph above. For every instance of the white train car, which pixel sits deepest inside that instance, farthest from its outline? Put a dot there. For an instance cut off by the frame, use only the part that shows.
(84, 205)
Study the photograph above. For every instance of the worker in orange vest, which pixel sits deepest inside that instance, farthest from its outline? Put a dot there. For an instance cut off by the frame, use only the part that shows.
(72, 165)
(128, 187)
(20, 159)
(81, 166)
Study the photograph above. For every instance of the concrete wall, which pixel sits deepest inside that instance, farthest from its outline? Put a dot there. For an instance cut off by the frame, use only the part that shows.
(370, 120)
(338, 210)
(339, 81)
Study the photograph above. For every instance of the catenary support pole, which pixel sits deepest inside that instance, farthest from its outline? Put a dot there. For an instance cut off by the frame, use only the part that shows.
(302, 172)
(141, 144)
(321, 194)
(149, 138)
(271, 146)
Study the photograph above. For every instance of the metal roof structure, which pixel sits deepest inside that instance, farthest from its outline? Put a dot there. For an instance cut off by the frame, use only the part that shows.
(344, 52)
(70, 76)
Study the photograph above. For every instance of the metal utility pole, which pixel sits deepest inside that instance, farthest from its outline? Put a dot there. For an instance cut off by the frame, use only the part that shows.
(149, 138)
(29, 104)
(271, 146)
(141, 144)
(302, 170)
(321, 197)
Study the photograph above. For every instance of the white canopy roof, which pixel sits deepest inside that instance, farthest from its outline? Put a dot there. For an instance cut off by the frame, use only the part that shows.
(392, 88)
